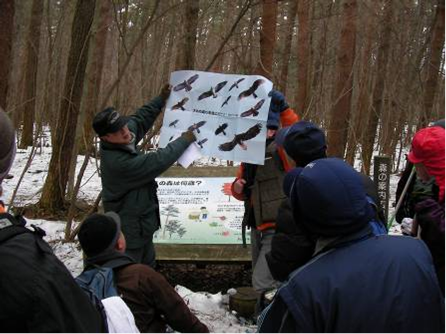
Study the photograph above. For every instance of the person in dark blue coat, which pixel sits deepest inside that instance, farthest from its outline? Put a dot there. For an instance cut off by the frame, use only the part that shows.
(356, 281)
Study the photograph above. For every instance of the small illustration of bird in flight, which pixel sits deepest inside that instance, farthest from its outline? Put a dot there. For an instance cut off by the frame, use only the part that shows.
(251, 90)
(254, 111)
(174, 123)
(226, 101)
(240, 138)
(196, 126)
(212, 91)
(180, 104)
(201, 142)
(221, 129)
(186, 84)
(235, 84)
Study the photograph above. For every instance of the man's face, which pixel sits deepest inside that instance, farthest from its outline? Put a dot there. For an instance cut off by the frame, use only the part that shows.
(122, 136)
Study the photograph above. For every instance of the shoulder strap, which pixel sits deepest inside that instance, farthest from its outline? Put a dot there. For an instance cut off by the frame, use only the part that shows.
(12, 226)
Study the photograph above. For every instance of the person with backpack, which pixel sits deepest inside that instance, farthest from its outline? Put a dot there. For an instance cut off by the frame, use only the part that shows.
(38, 293)
(128, 174)
(356, 281)
(292, 245)
(152, 300)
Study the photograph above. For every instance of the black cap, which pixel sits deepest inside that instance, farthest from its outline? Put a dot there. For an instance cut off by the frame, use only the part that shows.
(99, 232)
(109, 121)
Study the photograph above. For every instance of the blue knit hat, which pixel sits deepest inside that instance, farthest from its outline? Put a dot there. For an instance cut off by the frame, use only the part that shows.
(331, 199)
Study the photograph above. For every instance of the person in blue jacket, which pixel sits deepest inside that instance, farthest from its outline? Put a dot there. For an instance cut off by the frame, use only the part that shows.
(356, 281)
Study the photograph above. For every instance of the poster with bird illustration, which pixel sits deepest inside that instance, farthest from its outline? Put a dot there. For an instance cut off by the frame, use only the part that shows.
(227, 112)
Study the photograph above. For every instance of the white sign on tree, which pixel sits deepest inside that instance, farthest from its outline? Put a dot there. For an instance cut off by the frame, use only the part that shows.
(227, 112)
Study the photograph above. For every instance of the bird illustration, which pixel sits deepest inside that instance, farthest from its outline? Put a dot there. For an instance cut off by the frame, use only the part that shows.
(254, 111)
(226, 101)
(201, 142)
(186, 84)
(240, 138)
(221, 129)
(235, 84)
(207, 94)
(180, 105)
(251, 90)
(196, 126)
(220, 86)
(174, 123)
(170, 139)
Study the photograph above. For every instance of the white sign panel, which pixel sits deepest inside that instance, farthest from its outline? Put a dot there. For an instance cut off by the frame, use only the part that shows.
(199, 210)
(227, 112)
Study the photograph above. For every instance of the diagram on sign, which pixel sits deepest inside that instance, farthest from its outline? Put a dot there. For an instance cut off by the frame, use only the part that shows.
(227, 113)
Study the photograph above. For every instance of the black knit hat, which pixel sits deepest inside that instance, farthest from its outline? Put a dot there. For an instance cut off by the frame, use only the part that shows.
(99, 232)
(109, 121)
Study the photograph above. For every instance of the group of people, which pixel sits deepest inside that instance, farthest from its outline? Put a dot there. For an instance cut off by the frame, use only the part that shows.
(318, 237)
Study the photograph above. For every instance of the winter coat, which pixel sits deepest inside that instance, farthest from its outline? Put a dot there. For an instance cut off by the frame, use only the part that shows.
(292, 245)
(430, 217)
(248, 172)
(38, 293)
(128, 177)
(152, 300)
(346, 289)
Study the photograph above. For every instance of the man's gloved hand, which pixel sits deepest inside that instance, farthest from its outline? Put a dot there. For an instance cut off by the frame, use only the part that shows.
(278, 102)
(165, 92)
(189, 136)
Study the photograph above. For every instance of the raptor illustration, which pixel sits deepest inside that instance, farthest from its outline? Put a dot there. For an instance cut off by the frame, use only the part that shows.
(240, 138)
(174, 123)
(196, 126)
(254, 111)
(226, 101)
(221, 129)
(201, 142)
(180, 104)
(235, 84)
(251, 90)
(213, 91)
(186, 84)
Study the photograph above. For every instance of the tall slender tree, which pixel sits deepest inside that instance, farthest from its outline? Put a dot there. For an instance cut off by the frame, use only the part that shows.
(267, 38)
(338, 129)
(53, 193)
(7, 24)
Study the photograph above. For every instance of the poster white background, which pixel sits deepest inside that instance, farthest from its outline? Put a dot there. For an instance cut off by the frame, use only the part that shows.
(211, 101)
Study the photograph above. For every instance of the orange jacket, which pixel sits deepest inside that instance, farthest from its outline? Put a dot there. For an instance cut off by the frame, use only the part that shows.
(287, 117)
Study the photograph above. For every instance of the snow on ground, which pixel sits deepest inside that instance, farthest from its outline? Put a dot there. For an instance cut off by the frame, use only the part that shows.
(212, 309)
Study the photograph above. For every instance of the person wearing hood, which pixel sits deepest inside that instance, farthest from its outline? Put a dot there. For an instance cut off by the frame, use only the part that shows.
(128, 174)
(356, 281)
(260, 187)
(38, 293)
(428, 156)
(152, 300)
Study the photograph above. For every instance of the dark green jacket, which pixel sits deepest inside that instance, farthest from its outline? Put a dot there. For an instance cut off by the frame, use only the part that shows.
(128, 177)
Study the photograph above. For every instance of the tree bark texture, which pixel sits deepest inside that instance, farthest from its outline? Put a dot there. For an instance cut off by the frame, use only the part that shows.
(267, 38)
(6, 34)
(53, 193)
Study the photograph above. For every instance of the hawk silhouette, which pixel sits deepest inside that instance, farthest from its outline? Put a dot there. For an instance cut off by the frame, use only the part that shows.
(186, 84)
(254, 111)
(251, 90)
(240, 138)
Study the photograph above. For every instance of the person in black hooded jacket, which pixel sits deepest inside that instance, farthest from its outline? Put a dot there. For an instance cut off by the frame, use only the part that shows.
(38, 293)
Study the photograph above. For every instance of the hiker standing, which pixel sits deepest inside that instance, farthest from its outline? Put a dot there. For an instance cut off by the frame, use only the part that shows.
(260, 187)
(356, 281)
(38, 293)
(428, 155)
(152, 300)
(128, 175)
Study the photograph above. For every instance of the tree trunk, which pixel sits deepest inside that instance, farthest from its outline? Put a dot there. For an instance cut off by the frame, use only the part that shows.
(303, 47)
(186, 52)
(378, 90)
(267, 39)
(337, 134)
(287, 48)
(32, 60)
(53, 193)
(7, 24)
(90, 100)
(437, 45)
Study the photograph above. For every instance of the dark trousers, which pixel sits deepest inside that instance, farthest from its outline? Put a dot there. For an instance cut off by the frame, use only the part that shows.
(144, 254)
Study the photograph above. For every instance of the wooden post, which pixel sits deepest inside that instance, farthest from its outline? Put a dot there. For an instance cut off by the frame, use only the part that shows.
(381, 176)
